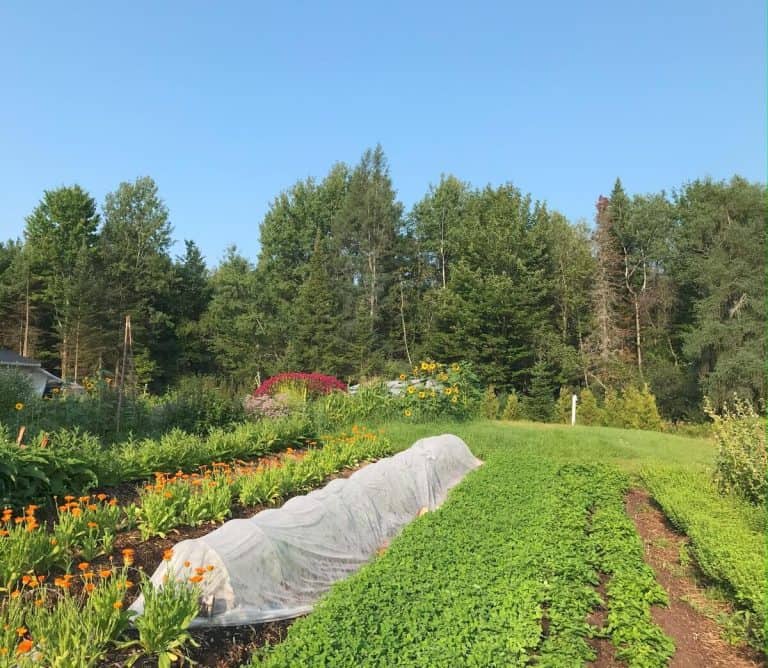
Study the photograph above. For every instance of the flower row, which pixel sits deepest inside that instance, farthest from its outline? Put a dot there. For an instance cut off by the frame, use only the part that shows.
(76, 621)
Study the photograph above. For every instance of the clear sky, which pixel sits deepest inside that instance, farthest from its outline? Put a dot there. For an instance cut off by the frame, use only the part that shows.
(225, 104)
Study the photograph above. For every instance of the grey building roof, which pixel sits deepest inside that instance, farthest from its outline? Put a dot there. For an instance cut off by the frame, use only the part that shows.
(10, 358)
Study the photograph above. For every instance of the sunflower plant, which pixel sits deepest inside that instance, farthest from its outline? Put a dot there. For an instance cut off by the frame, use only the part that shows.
(434, 390)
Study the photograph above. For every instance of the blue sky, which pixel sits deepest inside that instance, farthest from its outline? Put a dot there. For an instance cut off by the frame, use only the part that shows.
(226, 104)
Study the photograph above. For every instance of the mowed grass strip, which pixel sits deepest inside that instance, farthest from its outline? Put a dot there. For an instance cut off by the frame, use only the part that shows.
(502, 575)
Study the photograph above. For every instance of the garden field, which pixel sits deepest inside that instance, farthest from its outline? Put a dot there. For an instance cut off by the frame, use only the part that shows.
(567, 547)
(534, 560)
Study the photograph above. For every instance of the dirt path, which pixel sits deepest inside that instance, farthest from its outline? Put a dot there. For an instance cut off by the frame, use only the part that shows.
(697, 636)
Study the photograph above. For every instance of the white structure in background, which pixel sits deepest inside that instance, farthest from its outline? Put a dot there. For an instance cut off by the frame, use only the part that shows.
(277, 564)
(39, 377)
(398, 387)
(574, 399)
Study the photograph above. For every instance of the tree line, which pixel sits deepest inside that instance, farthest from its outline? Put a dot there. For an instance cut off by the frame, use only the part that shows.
(665, 289)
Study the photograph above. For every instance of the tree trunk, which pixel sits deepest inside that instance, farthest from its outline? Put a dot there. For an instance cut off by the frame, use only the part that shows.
(402, 320)
(25, 345)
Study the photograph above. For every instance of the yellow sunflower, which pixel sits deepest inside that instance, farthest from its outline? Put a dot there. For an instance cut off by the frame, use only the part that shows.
(411, 389)
(455, 400)
(407, 412)
(422, 394)
(403, 376)
(448, 390)
(455, 366)
(19, 406)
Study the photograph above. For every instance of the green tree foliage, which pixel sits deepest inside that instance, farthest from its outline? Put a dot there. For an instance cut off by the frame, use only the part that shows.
(539, 403)
(366, 232)
(287, 236)
(233, 322)
(720, 267)
(665, 291)
(191, 295)
(316, 341)
(588, 412)
(60, 236)
(134, 260)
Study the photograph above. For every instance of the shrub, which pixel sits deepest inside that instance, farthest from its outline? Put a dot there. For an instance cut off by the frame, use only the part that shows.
(511, 407)
(563, 405)
(741, 458)
(632, 408)
(197, 405)
(15, 390)
(588, 411)
(303, 384)
(489, 407)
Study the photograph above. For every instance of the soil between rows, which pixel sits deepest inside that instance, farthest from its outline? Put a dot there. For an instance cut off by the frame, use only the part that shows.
(698, 638)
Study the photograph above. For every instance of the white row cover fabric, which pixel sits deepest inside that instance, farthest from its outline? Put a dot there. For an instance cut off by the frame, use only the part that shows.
(278, 563)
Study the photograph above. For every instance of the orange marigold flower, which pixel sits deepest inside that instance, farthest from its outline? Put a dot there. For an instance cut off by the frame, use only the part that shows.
(101, 497)
(196, 579)
(89, 587)
(167, 554)
(15, 593)
(128, 584)
(54, 541)
(39, 602)
(187, 564)
(83, 566)
(117, 605)
(88, 575)
(25, 579)
(24, 646)
(21, 631)
(92, 507)
(112, 502)
(93, 525)
(105, 573)
(69, 497)
(209, 567)
(199, 571)
(76, 512)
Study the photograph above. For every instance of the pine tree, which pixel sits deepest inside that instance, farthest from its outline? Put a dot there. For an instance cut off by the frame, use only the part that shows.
(315, 342)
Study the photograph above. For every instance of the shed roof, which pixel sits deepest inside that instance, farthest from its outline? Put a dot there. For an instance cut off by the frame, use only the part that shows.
(10, 358)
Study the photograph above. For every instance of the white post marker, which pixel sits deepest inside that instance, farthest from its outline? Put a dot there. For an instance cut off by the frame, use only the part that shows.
(574, 399)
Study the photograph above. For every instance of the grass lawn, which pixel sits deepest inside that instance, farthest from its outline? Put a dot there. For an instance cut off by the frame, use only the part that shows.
(629, 450)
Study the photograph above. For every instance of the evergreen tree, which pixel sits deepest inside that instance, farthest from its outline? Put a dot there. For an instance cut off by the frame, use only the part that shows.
(138, 277)
(316, 342)
(720, 264)
(366, 231)
(232, 322)
(191, 295)
(60, 235)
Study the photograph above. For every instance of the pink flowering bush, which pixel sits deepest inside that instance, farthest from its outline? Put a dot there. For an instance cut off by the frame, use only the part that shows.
(299, 384)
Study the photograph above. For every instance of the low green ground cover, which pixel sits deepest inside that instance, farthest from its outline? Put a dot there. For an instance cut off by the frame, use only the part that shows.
(505, 572)
(727, 538)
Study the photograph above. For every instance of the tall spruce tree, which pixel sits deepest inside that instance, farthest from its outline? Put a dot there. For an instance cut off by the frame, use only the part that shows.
(138, 277)
(60, 235)
(316, 342)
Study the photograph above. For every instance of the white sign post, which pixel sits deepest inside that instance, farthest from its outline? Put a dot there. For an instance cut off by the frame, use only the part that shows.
(574, 399)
